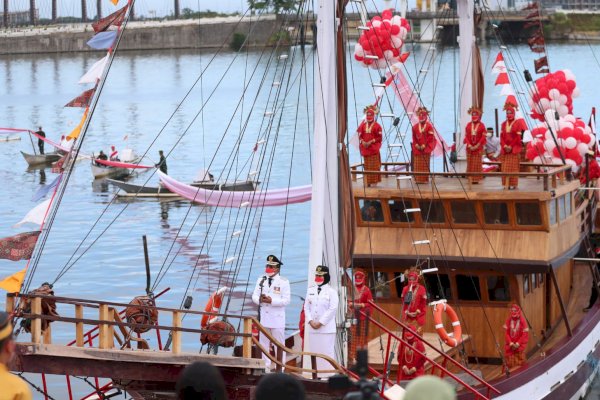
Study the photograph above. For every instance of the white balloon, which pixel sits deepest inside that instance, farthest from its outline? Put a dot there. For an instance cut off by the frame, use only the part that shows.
(570, 76)
(561, 142)
(587, 129)
(562, 124)
(582, 148)
(562, 99)
(545, 103)
(570, 162)
(592, 140)
(537, 160)
(396, 20)
(358, 50)
(570, 118)
(397, 42)
(388, 54)
(575, 169)
(376, 24)
(570, 143)
(576, 92)
(556, 160)
(549, 145)
(563, 110)
(554, 104)
(554, 94)
(381, 64)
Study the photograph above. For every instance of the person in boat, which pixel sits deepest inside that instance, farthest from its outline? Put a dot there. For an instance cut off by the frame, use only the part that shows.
(359, 305)
(422, 145)
(114, 154)
(101, 156)
(42, 134)
(11, 386)
(200, 380)
(475, 140)
(492, 146)
(371, 211)
(320, 308)
(414, 300)
(410, 362)
(369, 139)
(511, 143)
(516, 337)
(162, 162)
(272, 295)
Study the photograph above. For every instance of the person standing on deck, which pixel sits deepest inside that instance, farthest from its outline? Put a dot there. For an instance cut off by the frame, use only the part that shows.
(42, 134)
(272, 294)
(410, 363)
(162, 163)
(320, 308)
(516, 337)
(422, 145)
(11, 386)
(369, 139)
(114, 155)
(492, 146)
(475, 140)
(511, 143)
(359, 305)
(414, 301)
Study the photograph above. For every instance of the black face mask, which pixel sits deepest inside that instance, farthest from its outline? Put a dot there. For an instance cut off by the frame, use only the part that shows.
(326, 280)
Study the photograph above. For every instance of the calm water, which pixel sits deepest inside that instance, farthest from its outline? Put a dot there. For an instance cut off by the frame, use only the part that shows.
(140, 102)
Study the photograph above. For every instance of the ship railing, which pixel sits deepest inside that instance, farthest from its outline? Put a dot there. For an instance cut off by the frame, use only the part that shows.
(550, 174)
(446, 363)
(107, 321)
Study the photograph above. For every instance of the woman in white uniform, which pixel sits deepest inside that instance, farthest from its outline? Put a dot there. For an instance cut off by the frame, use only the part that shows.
(320, 309)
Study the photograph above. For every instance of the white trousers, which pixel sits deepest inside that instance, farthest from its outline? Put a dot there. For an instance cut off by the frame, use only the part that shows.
(322, 343)
(279, 335)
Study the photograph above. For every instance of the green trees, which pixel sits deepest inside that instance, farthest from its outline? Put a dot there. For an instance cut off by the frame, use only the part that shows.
(276, 6)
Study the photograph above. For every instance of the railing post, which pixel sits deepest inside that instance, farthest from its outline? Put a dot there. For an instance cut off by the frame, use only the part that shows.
(111, 328)
(313, 366)
(278, 368)
(47, 334)
(103, 336)
(247, 341)
(353, 174)
(545, 182)
(79, 325)
(176, 334)
(10, 302)
(36, 322)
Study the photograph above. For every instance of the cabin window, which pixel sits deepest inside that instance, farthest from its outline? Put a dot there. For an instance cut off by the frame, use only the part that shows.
(552, 210)
(528, 213)
(498, 288)
(397, 213)
(370, 210)
(561, 208)
(468, 287)
(495, 213)
(463, 212)
(534, 283)
(526, 287)
(432, 212)
(568, 203)
(438, 286)
(540, 279)
(381, 284)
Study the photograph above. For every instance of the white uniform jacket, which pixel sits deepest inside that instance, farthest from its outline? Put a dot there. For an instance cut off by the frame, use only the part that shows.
(321, 307)
(272, 315)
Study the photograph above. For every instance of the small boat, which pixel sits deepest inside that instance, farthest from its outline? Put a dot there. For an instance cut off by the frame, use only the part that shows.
(105, 171)
(132, 190)
(38, 159)
(9, 138)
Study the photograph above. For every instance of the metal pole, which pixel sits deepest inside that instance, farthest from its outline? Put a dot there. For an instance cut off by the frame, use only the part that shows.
(98, 9)
(147, 261)
(177, 9)
(32, 12)
(5, 15)
(54, 10)
(84, 17)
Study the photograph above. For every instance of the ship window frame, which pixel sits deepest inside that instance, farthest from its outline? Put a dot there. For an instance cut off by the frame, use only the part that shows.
(479, 284)
(476, 210)
(526, 285)
(359, 212)
(444, 210)
(552, 216)
(562, 213)
(410, 203)
(439, 277)
(487, 288)
(540, 213)
(509, 217)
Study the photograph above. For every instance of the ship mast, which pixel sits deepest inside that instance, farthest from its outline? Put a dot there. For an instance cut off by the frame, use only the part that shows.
(466, 44)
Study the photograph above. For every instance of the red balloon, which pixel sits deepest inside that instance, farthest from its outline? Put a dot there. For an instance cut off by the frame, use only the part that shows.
(531, 154)
(543, 91)
(571, 85)
(572, 154)
(386, 25)
(387, 14)
(358, 58)
(555, 152)
(565, 133)
(579, 123)
(562, 88)
(395, 29)
(376, 18)
(585, 138)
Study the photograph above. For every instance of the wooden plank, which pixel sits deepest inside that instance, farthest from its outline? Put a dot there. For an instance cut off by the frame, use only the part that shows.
(36, 323)
(176, 335)
(247, 341)
(103, 337)
(48, 335)
(79, 326)
(111, 328)
(10, 303)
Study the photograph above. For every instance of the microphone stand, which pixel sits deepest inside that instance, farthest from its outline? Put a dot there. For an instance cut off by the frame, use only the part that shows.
(261, 284)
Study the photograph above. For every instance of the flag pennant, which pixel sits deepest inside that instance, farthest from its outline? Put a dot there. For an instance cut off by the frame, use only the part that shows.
(45, 189)
(507, 90)
(95, 72)
(18, 247)
(13, 283)
(115, 2)
(114, 19)
(75, 132)
(499, 58)
(530, 24)
(103, 40)
(541, 65)
(36, 215)
(534, 14)
(502, 79)
(531, 6)
(83, 100)
(499, 68)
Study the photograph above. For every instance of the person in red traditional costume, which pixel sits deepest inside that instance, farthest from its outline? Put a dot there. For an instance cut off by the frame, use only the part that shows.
(360, 302)
(114, 155)
(511, 143)
(422, 145)
(370, 137)
(410, 363)
(414, 300)
(475, 140)
(516, 337)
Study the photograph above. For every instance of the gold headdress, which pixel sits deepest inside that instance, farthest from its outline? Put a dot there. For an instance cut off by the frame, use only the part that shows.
(422, 109)
(476, 109)
(372, 108)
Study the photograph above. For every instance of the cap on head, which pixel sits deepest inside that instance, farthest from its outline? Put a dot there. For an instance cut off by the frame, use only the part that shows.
(321, 270)
(273, 261)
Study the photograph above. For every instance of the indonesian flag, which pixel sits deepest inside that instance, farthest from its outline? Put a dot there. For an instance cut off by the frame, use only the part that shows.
(13, 283)
(499, 66)
(18, 247)
(75, 133)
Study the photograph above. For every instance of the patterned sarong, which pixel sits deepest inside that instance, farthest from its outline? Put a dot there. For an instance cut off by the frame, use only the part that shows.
(373, 163)
(474, 165)
(510, 163)
(358, 337)
(515, 359)
(421, 164)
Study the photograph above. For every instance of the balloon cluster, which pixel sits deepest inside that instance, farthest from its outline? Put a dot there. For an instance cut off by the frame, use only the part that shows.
(383, 39)
(555, 92)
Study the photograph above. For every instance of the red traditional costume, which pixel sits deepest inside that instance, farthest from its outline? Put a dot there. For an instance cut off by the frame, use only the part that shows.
(511, 143)
(516, 337)
(370, 136)
(422, 145)
(359, 331)
(410, 363)
(414, 301)
(475, 140)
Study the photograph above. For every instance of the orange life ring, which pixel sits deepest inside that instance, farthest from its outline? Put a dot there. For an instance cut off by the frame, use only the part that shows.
(212, 307)
(438, 309)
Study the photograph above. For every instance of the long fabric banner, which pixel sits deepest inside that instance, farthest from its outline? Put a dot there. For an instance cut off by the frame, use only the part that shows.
(18, 247)
(268, 198)
(119, 164)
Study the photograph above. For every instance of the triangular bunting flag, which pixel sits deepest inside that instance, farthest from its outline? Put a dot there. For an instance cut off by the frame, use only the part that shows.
(36, 215)
(499, 68)
(115, 19)
(539, 65)
(499, 58)
(507, 90)
(502, 79)
(83, 100)
(115, 2)
(95, 72)
(103, 40)
(45, 189)
(13, 283)
(75, 132)
(18, 247)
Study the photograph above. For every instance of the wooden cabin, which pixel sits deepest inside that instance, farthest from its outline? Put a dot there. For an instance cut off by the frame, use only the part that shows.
(492, 247)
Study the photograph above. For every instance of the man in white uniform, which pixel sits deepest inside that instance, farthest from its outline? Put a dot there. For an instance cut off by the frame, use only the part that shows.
(272, 294)
(320, 308)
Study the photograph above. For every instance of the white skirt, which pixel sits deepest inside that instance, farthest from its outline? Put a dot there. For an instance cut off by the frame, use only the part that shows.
(322, 343)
